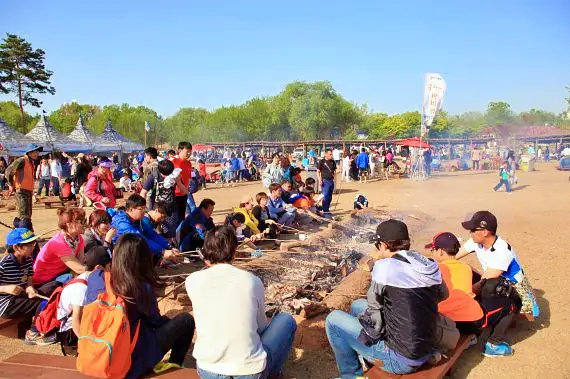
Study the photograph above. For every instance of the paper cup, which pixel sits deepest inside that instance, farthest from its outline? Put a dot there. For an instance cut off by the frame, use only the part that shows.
(302, 236)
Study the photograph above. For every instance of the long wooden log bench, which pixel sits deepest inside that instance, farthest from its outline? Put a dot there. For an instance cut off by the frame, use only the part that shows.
(44, 366)
(427, 371)
(14, 327)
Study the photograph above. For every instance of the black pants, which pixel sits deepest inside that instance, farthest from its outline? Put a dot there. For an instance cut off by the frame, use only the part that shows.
(499, 313)
(176, 335)
(180, 208)
(20, 306)
(470, 327)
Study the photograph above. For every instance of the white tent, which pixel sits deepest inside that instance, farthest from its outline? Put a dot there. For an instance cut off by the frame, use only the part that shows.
(45, 134)
(114, 137)
(83, 135)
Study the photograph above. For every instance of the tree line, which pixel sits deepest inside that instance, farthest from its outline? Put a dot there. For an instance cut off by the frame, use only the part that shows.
(302, 111)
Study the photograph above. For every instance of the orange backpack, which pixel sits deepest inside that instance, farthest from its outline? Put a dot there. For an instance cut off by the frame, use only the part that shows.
(105, 344)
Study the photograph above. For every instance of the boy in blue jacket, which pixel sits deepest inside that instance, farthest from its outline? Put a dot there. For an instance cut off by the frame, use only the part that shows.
(130, 221)
(363, 164)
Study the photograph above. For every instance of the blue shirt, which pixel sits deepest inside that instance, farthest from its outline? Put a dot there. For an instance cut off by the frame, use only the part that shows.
(362, 160)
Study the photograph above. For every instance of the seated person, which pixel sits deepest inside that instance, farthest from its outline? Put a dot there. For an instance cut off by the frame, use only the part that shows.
(129, 221)
(261, 213)
(297, 181)
(66, 191)
(192, 230)
(63, 253)
(99, 225)
(279, 211)
(236, 221)
(153, 218)
(17, 292)
(246, 208)
(125, 182)
(241, 343)
(565, 163)
(305, 204)
(286, 191)
(72, 297)
(397, 323)
(504, 290)
(360, 202)
(461, 305)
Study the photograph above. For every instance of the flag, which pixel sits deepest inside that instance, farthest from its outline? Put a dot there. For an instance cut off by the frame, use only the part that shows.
(146, 126)
(433, 98)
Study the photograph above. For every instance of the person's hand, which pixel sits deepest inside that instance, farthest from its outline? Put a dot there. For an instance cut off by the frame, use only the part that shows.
(31, 291)
(105, 200)
(254, 238)
(172, 255)
(14, 290)
(10, 190)
(269, 222)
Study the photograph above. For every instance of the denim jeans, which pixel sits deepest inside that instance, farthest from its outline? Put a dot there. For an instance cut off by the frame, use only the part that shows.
(55, 183)
(506, 183)
(343, 330)
(277, 340)
(328, 188)
(44, 182)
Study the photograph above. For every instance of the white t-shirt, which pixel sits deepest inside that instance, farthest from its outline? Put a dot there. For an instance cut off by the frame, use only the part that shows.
(501, 256)
(73, 294)
(229, 310)
(336, 154)
(55, 168)
(125, 183)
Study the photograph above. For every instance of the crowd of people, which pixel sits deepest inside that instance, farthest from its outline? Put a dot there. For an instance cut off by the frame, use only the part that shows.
(111, 256)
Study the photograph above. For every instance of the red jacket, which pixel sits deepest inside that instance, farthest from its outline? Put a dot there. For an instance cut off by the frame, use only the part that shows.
(98, 187)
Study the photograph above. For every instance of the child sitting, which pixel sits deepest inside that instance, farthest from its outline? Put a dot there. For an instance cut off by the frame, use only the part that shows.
(461, 305)
(66, 191)
(125, 182)
(360, 202)
(72, 299)
(17, 294)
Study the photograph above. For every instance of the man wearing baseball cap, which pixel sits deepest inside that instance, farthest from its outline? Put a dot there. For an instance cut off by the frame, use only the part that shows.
(503, 284)
(461, 305)
(20, 176)
(397, 323)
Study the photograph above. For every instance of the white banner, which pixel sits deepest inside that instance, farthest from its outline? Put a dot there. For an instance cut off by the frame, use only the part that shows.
(433, 98)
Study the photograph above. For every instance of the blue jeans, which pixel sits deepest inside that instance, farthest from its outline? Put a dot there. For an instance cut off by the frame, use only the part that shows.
(328, 189)
(277, 340)
(506, 183)
(343, 330)
(55, 183)
(190, 203)
(44, 182)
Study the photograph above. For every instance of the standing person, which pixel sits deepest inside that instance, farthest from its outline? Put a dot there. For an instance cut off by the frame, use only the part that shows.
(20, 176)
(325, 172)
(150, 167)
(273, 172)
(243, 343)
(504, 289)
(504, 178)
(397, 322)
(428, 160)
(56, 173)
(547, 154)
(43, 174)
(475, 157)
(346, 166)
(203, 173)
(372, 159)
(3, 167)
(82, 171)
(362, 164)
(182, 161)
(336, 156)
(512, 162)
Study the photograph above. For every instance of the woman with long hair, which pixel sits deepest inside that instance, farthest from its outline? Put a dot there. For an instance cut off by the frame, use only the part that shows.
(134, 278)
(242, 342)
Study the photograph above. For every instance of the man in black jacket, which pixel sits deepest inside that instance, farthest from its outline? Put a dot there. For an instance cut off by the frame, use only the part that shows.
(397, 323)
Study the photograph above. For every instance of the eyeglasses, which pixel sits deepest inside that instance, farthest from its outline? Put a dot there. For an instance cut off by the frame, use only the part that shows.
(474, 230)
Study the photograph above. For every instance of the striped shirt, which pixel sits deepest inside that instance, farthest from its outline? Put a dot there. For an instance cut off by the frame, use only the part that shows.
(13, 273)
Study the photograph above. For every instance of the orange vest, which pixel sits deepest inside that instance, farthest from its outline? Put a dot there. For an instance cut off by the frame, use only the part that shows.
(24, 178)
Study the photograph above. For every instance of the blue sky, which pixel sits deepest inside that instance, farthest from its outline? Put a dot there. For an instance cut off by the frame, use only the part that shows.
(172, 54)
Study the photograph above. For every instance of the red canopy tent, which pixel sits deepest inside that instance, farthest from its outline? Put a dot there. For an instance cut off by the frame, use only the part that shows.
(199, 147)
(414, 142)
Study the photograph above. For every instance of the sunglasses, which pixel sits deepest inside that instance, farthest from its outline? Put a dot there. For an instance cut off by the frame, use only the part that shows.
(474, 230)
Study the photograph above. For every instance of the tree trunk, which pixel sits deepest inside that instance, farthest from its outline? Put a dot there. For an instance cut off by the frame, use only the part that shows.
(21, 103)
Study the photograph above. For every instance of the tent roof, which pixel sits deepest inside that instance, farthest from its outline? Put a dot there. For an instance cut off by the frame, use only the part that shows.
(45, 132)
(9, 133)
(113, 136)
(414, 142)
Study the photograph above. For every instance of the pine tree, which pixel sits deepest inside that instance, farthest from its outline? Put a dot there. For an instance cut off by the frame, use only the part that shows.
(23, 73)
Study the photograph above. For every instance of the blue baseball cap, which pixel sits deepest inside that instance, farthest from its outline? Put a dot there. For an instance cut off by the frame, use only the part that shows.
(19, 236)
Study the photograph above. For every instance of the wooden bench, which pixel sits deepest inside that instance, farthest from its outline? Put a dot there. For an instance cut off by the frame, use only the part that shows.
(64, 203)
(14, 327)
(44, 366)
(427, 371)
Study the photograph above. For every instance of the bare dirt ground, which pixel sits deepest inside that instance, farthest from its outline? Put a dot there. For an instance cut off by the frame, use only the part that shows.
(534, 219)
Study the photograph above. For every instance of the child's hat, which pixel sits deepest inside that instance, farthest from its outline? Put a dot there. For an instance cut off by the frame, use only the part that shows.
(19, 236)
(443, 240)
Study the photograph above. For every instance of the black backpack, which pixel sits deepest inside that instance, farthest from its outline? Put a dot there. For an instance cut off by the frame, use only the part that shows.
(162, 194)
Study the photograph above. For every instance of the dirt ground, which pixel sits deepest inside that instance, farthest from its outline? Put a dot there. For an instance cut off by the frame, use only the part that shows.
(534, 219)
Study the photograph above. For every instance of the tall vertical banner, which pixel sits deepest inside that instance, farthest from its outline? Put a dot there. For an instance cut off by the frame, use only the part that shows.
(433, 98)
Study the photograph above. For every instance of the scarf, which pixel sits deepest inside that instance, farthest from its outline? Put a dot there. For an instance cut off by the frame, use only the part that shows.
(70, 241)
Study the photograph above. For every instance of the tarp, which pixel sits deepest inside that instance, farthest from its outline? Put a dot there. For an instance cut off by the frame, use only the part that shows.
(114, 137)
(83, 135)
(47, 136)
(414, 142)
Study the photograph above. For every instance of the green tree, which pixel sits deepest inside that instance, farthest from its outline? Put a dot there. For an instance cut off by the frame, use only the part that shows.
(498, 113)
(65, 117)
(539, 117)
(23, 73)
(10, 113)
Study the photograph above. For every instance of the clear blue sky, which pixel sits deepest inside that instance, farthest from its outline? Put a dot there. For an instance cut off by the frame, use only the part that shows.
(172, 54)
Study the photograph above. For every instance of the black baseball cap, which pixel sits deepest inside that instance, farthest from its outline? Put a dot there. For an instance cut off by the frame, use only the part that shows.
(444, 240)
(96, 256)
(391, 230)
(482, 220)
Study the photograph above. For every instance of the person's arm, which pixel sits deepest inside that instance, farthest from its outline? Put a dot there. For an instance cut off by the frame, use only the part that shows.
(11, 289)
(90, 190)
(76, 319)
(259, 294)
(73, 263)
(181, 187)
